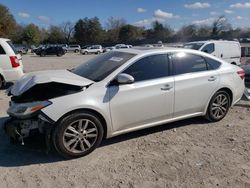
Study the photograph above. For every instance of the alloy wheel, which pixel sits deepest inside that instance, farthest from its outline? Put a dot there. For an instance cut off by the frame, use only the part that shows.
(80, 136)
(220, 106)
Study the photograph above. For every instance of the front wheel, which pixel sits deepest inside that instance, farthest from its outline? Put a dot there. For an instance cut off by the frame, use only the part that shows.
(78, 135)
(42, 54)
(59, 54)
(218, 106)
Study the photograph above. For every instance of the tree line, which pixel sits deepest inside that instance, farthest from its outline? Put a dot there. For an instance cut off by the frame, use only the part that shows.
(90, 31)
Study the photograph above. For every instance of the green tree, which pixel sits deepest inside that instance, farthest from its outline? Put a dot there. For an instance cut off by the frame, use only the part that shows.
(159, 32)
(129, 33)
(88, 31)
(187, 33)
(7, 23)
(31, 34)
(55, 35)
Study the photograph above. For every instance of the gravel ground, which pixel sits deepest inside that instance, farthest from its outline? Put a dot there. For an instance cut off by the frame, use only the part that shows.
(191, 153)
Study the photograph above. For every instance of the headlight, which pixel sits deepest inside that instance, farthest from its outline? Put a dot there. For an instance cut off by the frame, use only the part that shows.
(27, 109)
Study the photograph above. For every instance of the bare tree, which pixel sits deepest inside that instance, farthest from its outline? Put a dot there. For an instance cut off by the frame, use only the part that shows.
(113, 27)
(220, 25)
(68, 30)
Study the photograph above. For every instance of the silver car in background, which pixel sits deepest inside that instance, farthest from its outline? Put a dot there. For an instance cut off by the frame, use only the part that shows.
(119, 92)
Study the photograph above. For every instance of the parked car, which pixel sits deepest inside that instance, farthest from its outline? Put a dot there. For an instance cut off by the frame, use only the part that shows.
(34, 48)
(65, 47)
(229, 51)
(245, 52)
(21, 49)
(107, 49)
(122, 46)
(246, 68)
(50, 50)
(119, 92)
(74, 48)
(94, 49)
(11, 67)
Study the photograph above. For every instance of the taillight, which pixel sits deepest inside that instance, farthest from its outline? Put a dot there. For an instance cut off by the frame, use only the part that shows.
(241, 73)
(14, 61)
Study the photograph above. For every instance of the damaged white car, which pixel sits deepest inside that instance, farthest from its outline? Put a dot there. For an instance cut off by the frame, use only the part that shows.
(119, 92)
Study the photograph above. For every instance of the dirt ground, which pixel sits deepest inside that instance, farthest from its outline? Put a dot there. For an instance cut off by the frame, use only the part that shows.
(191, 153)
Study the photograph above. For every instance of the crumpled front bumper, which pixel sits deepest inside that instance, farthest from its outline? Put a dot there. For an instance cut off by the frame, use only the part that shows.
(18, 129)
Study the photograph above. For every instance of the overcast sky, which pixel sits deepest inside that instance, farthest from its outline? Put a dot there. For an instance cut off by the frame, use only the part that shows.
(175, 13)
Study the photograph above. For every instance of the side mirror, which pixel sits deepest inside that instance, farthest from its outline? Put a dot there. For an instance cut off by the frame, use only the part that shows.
(125, 79)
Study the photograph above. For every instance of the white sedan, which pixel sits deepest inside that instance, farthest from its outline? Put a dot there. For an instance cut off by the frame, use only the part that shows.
(119, 92)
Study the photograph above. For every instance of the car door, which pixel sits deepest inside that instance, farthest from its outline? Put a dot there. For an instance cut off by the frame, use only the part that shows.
(195, 82)
(92, 49)
(49, 50)
(148, 100)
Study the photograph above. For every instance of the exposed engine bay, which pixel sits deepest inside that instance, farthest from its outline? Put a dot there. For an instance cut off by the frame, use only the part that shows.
(22, 126)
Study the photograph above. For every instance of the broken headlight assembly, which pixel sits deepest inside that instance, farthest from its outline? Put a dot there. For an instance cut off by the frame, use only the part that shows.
(26, 110)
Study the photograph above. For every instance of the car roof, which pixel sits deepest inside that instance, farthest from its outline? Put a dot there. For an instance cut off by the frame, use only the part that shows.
(217, 41)
(149, 50)
(4, 39)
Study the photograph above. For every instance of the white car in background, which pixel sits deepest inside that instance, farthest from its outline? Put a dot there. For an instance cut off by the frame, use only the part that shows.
(230, 51)
(94, 49)
(11, 67)
(121, 91)
(74, 48)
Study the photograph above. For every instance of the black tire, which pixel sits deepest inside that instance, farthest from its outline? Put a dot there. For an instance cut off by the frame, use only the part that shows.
(1, 82)
(42, 54)
(59, 54)
(76, 51)
(85, 53)
(218, 110)
(59, 135)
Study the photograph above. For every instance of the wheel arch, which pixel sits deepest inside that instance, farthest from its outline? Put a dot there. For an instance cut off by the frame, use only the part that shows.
(99, 115)
(228, 90)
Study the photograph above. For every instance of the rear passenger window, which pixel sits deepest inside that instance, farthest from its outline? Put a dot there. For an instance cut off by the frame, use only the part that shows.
(188, 63)
(151, 67)
(212, 64)
(2, 52)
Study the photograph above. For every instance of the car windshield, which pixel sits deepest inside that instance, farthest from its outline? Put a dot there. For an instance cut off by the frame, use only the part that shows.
(194, 46)
(100, 67)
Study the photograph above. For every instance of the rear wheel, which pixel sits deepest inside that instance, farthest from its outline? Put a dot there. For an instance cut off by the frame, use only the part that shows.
(78, 135)
(85, 53)
(76, 51)
(1, 82)
(218, 106)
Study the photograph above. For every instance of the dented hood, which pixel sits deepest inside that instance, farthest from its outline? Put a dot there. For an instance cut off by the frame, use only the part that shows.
(42, 77)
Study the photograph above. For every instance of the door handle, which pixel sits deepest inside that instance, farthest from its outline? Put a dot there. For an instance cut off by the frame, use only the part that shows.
(212, 78)
(166, 87)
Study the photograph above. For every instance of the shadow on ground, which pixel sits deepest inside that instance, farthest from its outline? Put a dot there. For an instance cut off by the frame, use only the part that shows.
(34, 150)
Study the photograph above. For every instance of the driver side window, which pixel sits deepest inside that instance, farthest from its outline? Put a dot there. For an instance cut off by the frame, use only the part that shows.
(151, 67)
(209, 48)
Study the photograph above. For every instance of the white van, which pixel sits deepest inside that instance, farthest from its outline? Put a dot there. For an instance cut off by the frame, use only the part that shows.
(11, 67)
(229, 51)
